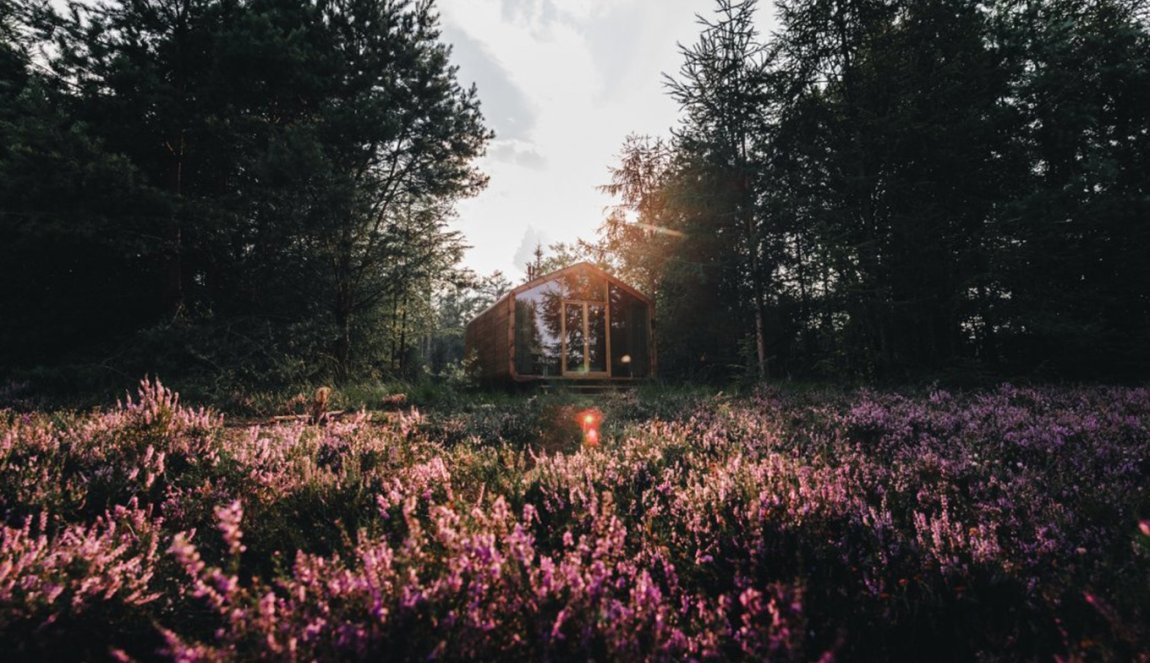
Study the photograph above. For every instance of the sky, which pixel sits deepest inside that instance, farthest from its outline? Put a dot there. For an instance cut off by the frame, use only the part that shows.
(561, 83)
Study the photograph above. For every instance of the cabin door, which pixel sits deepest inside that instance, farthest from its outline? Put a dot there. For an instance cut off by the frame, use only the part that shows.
(584, 339)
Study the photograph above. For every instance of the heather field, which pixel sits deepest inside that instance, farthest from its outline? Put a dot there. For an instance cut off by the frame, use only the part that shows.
(1005, 524)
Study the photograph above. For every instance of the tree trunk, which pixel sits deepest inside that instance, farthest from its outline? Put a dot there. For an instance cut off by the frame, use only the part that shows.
(174, 268)
(394, 340)
(344, 312)
(760, 335)
(753, 239)
(343, 341)
(174, 271)
(403, 337)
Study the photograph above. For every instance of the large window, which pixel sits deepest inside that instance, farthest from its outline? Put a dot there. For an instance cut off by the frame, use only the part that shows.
(567, 315)
(538, 340)
(585, 337)
(630, 326)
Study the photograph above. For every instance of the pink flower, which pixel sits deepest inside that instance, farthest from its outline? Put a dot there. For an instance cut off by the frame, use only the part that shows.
(229, 518)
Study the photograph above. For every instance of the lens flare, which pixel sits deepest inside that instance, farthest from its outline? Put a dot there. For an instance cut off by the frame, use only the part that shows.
(589, 423)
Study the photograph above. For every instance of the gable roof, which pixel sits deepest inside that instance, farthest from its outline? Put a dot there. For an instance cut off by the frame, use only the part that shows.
(582, 265)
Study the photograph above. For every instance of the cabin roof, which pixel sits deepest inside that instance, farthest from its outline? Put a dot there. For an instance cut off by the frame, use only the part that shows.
(583, 265)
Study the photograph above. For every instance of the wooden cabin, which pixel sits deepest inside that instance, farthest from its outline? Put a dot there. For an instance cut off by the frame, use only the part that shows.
(578, 323)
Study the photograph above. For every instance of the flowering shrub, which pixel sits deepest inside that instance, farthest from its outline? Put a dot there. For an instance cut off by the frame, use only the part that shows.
(1013, 523)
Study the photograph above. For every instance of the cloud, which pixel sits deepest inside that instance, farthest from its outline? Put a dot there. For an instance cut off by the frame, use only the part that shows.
(525, 254)
(617, 42)
(505, 107)
(562, 82)
(518, 153)
(536, 13)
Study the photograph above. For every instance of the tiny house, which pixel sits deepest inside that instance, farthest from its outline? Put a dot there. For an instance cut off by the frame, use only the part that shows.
(578, 323)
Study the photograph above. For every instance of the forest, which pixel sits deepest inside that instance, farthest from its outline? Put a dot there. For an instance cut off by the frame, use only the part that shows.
(255, 192)
(260, 193)
(893, 256)
(901, 189)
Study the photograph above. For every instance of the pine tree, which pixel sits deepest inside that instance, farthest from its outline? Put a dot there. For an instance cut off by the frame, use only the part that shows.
(724, 93)
(293, 168)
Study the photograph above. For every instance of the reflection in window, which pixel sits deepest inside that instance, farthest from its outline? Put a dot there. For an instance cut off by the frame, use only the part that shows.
(537, 332)
(576, 341)
(582, 285)
(629, 335)
(576, 298)
(596, 338)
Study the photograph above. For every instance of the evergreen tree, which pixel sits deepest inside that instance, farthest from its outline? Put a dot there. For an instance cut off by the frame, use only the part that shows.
(636, 239)
(897, 189)
(724, 92)
(1074, 249)
(289, 172)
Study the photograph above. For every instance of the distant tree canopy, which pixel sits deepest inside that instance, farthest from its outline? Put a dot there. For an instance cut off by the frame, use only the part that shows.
(897, 189)
(254, 186)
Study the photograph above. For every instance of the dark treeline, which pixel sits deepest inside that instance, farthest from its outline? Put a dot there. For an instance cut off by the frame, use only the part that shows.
(897, 189)
(258, 191)
(245, 190)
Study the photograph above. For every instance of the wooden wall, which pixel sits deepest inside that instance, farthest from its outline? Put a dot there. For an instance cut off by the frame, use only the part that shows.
(489, 337)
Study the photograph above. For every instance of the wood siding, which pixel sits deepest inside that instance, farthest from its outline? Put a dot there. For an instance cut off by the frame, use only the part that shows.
(489, 338)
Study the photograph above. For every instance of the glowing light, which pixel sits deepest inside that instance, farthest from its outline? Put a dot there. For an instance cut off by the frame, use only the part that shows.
(660, 229)
(625, 359)
(589, 423)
